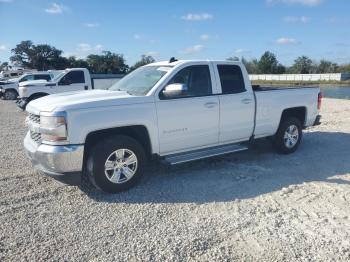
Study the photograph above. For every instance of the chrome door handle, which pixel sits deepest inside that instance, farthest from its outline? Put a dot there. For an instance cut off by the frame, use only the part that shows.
(246, 101)
(210, 104)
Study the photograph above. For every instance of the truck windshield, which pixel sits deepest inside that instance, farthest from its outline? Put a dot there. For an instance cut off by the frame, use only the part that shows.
(140, 81)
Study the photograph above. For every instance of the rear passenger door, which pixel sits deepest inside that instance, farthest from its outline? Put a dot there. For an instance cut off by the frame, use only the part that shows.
(237, 106)
(72, 81)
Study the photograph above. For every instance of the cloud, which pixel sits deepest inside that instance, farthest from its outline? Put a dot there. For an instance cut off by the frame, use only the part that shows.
(137, 37)
(241, 51)
(55, 8)
(286, 41)
(204, 37)
(92, 25)
(301, 2)
(338, 20)
(192, 49)
(84, 47)
(296, 19)
(3, 48)
(152, 53)
(197, 17)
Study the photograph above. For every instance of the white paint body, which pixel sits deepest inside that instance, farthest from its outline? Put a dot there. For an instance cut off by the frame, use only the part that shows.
(184, 124)
(15, 82)
(29, 88)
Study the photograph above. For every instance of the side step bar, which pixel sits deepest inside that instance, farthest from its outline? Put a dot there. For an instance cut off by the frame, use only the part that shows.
(203, 153)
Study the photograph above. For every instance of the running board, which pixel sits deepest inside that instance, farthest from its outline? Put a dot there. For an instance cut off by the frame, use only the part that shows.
(203, 153)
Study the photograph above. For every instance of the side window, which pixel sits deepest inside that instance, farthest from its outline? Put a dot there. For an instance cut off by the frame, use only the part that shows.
(231, 79)
(196, 80)
(13, 74)
(42, 77)
(73, 77)
(27, 78)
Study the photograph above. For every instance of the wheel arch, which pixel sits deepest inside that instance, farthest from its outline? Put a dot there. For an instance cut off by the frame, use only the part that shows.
(139, 132)
(297, 112)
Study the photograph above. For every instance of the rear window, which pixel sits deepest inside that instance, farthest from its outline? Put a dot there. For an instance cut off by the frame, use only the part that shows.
(231, 79)
(42, 77)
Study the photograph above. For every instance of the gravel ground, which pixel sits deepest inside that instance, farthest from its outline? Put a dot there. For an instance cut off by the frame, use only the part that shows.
(254, 205)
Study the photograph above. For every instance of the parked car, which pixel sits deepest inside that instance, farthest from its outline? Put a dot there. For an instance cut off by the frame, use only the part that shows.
(9, 89)
(176, 111)
(13, 73)
(72, 79)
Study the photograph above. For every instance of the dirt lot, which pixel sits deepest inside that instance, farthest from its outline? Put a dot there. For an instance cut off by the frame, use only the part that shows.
(255, 205)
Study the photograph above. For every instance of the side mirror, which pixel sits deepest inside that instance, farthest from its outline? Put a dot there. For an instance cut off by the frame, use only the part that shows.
(174, 90)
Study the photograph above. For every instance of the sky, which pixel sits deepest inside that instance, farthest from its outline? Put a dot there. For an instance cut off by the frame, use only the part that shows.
(185, 29)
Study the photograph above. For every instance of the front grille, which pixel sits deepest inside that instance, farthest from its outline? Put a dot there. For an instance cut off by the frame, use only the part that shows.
(35, 136)
(34, 118)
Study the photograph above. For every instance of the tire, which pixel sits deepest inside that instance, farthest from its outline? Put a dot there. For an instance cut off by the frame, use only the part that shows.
(288, 136)
(107, 165)
(10, 94)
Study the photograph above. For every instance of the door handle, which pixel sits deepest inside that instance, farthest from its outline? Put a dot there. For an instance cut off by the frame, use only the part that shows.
(246, 101)
(210, 104)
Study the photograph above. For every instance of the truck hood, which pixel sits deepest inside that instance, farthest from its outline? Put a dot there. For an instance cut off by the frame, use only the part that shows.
(33, 83)
(84, 99)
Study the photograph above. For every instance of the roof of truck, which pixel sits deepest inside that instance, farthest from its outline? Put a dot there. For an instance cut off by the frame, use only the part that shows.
(177, 62)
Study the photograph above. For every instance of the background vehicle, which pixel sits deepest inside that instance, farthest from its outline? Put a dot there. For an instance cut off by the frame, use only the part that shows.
(73, 79)
(9, 89)
(9, 74)
(174, 111)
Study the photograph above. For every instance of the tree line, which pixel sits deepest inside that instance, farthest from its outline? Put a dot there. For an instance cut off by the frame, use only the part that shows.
(45, 57)
(268, 64)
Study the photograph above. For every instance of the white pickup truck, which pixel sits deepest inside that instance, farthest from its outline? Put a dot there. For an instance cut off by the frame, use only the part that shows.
(174, 111)
(72, 79)
(9, 89)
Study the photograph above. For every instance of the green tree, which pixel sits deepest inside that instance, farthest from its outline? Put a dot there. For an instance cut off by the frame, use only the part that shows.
(41, 57)
(345, 68)
(251, 66)
(73, 62)
(108, 62)
(326, 67)
(302, 65)
(145, 59)
(268, 64)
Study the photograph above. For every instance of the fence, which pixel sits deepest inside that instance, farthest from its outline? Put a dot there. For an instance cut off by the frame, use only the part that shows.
(302, 77)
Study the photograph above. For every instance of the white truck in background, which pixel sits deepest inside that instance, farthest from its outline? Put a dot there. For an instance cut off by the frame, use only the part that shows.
(72, 79)
(9, 89)
(174, 111)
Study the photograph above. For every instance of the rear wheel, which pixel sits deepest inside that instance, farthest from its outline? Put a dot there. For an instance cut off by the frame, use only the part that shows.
(10, 94)
(288, 136)
(115, 164)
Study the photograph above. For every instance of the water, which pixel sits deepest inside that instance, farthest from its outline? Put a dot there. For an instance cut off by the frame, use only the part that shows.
(336, 92)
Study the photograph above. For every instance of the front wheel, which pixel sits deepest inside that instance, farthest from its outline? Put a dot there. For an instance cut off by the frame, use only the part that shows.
(288, 136)
(10, 94)
(115, 164)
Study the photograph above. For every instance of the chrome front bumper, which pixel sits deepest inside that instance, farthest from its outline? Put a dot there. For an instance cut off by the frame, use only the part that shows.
(54, 160)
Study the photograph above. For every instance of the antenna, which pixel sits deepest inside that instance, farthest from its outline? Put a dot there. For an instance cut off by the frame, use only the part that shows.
(173, 59)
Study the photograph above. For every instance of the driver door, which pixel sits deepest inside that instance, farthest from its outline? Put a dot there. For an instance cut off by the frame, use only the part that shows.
(72, 81)
(189, 120)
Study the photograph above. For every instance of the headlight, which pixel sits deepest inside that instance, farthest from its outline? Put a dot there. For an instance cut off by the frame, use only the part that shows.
(53, 128)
